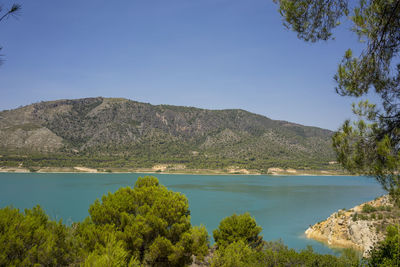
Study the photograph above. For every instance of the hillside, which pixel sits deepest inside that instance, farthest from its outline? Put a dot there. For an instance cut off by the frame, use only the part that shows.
(113, 132)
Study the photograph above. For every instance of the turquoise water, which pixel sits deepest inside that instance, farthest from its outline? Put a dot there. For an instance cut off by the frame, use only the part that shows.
(283, 205)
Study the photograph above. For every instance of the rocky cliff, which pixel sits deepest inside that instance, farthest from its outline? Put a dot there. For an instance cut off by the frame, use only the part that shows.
(359, 228)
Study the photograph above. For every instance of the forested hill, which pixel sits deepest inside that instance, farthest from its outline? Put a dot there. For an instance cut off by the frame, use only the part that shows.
(115, 132)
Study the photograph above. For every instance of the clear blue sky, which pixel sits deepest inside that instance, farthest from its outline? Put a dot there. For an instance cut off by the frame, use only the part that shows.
(213, 54)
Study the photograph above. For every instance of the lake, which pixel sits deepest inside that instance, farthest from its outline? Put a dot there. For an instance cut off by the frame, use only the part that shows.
(283, 205)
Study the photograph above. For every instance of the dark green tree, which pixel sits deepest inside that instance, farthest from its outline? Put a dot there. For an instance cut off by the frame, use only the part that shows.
(237, 228)
(152, 222)
(370, 145)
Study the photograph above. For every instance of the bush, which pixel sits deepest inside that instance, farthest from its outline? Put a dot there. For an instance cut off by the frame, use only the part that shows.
(112, 254)
(368, 208)
(273, 254)
(237, 254)
(238, 227)
(387, 252)
(153, 223)
(30, 238)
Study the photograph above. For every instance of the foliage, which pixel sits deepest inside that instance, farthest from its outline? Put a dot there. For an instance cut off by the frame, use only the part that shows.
(198, 241)
(368, 208)
(372, 144)
(387, 252)
(239, 244)
(237, 253)
(276, 254)
(313, 20)
(112, 254)
(31, 238)
(237, 228)
(145, 225)
(153, 223)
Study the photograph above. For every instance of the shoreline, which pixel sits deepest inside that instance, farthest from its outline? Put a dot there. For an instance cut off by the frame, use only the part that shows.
(279, 172)
(359, 228)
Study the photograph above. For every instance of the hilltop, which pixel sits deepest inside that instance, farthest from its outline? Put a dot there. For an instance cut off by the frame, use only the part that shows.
(120, 133)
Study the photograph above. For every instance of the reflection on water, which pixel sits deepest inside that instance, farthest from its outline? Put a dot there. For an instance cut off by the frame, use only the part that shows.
(283, 205)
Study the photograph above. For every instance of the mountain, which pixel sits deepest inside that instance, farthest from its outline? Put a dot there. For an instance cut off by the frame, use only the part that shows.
(116, 132)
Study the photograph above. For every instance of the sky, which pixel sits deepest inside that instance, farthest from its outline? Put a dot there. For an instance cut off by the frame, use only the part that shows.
(214, 54)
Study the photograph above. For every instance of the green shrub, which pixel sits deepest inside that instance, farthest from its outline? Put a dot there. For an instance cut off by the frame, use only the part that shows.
(153, 222)
(272, 254)
(368, 208)
(237, 254)
(238, 227)
(30, 238)
(112, 254)
(387, 252)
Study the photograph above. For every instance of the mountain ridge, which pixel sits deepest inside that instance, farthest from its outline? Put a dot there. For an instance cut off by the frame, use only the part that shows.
(141, 134)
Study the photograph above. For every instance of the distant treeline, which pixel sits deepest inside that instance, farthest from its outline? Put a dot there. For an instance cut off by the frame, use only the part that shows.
(142, 161)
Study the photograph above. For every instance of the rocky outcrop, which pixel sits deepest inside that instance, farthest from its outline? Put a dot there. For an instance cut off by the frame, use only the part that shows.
(30, 137)
(359, 228)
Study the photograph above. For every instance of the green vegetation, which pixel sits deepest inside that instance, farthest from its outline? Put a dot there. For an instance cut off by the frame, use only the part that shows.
(31, 238)
(368, 208)
(384, 215)
(387, 252)
(108, 162)
(148, 225)
(240, 250)
(118, 133)
(277, 254)
(370, 145)
(238, 228)
(239, 244)
(152, 222)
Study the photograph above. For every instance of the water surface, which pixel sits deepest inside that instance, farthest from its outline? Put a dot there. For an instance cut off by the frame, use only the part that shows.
(283, 205)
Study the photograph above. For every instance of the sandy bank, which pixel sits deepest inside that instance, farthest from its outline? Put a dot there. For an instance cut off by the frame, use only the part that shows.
(173, 169)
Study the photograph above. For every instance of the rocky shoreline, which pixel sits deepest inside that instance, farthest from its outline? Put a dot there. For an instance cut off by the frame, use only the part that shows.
(359, 228)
